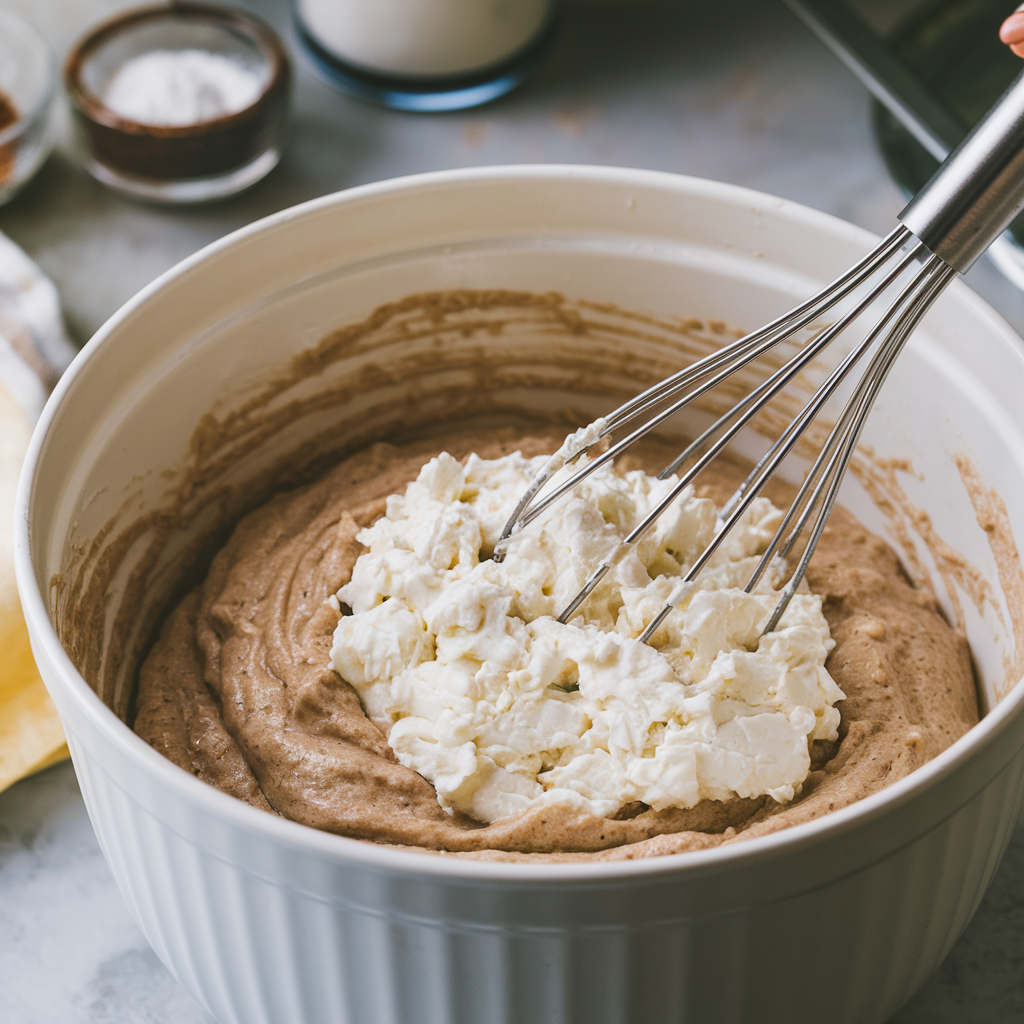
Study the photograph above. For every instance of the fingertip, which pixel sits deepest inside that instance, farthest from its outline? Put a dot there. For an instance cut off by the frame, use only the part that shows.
(1012, 30)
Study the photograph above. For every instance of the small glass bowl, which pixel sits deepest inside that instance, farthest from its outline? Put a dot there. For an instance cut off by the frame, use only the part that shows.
(428, 93)
(179, 163)
(28, 80)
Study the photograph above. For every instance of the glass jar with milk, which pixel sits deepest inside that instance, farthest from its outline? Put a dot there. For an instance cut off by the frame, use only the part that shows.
(426, 54)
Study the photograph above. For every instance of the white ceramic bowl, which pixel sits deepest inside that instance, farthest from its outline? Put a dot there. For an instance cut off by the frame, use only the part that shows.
(265, 920)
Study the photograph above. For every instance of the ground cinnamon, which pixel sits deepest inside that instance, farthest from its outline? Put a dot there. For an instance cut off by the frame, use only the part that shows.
(8, 151)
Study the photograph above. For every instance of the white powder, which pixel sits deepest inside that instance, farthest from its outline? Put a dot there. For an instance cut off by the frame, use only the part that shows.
(482, 691)
(180, 87)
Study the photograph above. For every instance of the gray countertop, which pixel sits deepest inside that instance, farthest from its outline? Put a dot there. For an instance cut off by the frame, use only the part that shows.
(737, 91)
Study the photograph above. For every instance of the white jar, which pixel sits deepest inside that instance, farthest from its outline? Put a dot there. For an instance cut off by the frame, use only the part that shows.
(437, 38)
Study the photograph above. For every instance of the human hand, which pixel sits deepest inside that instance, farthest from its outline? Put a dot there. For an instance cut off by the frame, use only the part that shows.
(1012, 31)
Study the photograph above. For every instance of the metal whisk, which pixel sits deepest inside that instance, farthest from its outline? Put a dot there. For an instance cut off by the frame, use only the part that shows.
(967, 204)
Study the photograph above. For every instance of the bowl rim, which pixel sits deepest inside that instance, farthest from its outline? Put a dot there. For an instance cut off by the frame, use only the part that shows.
(414, 861)
(40, 109)
(92, 107)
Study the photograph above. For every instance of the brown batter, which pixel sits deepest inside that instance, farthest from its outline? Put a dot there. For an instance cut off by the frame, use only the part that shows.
(238, 692)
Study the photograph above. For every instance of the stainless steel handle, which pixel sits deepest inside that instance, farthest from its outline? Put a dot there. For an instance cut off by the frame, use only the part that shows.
(979, 188)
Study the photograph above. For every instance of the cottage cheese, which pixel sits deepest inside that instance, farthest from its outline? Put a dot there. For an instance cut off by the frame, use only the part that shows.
(461, 659)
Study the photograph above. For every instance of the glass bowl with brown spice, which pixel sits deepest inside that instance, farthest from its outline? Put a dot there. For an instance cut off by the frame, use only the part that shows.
(28, 79)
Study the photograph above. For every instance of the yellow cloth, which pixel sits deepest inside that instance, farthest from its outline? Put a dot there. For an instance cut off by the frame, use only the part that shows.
(31, 737)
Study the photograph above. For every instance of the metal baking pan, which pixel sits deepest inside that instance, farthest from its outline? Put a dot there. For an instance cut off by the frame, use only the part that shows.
(934, 67)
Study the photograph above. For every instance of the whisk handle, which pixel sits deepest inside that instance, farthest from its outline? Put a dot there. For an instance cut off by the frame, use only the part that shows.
(978, 190)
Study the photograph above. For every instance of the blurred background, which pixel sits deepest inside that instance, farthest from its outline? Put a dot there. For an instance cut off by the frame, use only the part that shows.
(739, 91)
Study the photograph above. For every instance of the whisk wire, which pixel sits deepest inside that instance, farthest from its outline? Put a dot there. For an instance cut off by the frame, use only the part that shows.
(771, 460)
(874, 379)
(735, 355)
(904, 314)
(741, 414)
(817, 491)
(785, 374)
(748, 353)
(777, 330)
(966, 205)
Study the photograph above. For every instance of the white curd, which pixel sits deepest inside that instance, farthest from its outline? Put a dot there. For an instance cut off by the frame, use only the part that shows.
(462, 661)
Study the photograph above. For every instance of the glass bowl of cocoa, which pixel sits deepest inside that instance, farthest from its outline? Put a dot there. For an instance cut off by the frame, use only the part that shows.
(28, 81)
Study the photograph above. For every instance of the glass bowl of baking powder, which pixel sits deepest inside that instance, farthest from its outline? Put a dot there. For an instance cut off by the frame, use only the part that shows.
(179, 104)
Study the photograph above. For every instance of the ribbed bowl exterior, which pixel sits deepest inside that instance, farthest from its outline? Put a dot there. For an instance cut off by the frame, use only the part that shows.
(267, 922)
(366, 947)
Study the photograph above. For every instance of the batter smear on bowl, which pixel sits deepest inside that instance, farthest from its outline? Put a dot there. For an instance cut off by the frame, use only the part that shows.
(360, 609)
